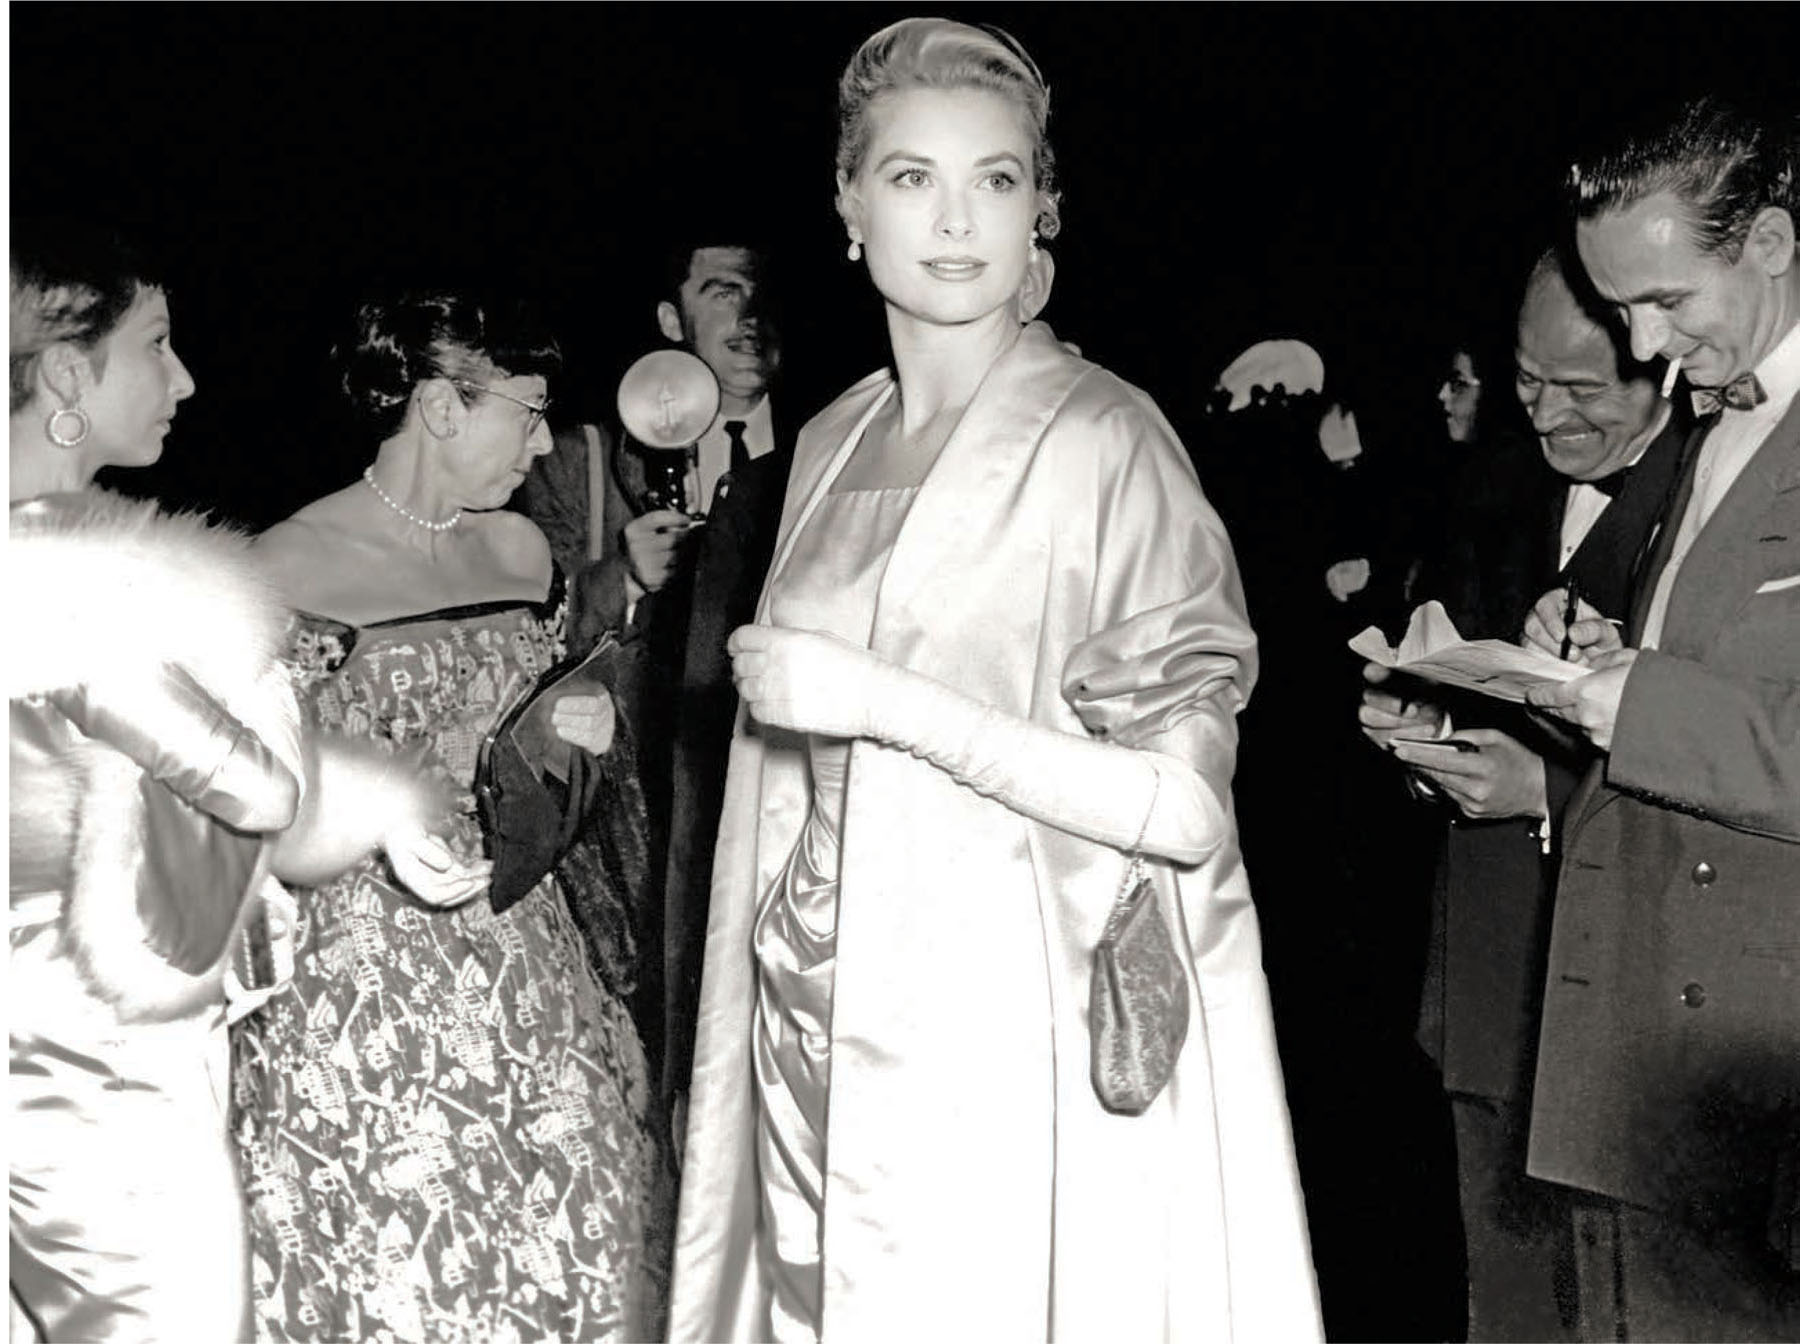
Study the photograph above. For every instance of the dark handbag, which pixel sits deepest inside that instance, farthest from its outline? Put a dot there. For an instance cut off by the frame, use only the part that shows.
(533, 790)
(1137, 998)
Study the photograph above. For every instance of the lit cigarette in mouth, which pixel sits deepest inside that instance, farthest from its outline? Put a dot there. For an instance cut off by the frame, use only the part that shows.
(1669, 377)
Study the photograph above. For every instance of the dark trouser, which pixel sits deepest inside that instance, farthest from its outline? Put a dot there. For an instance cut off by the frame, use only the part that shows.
(1521, 1248)
(1646, 1276)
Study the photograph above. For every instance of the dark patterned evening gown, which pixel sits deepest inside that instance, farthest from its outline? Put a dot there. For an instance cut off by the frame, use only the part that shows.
(445, 1122)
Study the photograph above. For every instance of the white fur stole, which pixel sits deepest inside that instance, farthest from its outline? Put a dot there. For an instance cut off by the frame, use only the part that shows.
(101, 588)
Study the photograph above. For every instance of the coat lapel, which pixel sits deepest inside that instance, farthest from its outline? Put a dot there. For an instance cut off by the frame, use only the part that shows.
(1615, 546)
(1664, 544)
(1712, 583)
(1718, 575)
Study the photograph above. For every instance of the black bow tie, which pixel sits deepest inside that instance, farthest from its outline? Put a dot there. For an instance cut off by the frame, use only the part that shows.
(1742, 393)
(1611, 485)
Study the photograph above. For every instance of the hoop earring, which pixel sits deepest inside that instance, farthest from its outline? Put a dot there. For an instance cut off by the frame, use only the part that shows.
(74, 439)
(855, 252)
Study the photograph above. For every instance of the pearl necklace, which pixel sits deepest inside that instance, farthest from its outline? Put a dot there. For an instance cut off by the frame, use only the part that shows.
(408, 514)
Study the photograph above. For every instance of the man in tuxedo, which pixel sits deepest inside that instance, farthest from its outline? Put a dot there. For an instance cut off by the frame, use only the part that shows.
(674, 583)
(1583, 508)
(1668, 1077)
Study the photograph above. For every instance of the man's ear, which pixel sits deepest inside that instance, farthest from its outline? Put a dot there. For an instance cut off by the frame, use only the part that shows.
(1771, 240)
(668, 321)
(440, 408)
(66, 371)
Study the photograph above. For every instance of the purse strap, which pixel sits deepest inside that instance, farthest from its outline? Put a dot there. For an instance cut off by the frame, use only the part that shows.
(1135, 869)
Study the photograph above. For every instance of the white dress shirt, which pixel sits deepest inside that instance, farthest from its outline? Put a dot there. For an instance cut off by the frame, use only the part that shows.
(1728, 449)
(1585, 503)
(713, 458)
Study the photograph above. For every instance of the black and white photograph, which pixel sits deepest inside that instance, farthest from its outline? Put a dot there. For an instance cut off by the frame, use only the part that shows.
(818, 672)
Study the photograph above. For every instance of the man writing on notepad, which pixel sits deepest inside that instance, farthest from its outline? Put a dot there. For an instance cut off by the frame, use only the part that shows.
(1668, 1080)
(1582, 511)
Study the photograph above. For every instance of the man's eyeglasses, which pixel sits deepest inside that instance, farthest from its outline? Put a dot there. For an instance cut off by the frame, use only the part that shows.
(539, 409)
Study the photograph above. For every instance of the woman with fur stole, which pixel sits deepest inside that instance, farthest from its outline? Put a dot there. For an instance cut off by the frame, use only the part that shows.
(155, 751)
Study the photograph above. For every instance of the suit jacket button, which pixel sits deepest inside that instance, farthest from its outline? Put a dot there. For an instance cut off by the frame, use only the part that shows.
(1693, 995)
(1704, 873)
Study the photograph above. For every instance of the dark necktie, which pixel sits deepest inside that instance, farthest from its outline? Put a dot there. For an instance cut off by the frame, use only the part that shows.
(1742, 393)
(740, 458)
(740, 451)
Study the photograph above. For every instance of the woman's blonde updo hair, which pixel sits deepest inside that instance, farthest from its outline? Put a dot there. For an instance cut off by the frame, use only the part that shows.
(944, 54)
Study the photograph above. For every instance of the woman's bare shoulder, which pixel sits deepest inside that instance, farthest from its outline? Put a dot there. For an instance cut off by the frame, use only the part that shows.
(310, 552)
(516, 544)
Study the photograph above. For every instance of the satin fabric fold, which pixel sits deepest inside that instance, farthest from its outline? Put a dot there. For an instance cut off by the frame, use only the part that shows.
(127, 1221)
(828, 581)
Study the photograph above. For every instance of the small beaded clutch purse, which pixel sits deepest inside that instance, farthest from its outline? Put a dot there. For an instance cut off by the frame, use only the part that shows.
(1138, 996)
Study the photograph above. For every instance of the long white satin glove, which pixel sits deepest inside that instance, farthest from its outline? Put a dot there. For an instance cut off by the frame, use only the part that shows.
(810, 682)
(430, 870)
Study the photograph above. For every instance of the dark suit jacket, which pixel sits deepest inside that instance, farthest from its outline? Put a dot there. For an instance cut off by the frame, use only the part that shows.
(676, 691)
(1492, 895)
(1669, 1062)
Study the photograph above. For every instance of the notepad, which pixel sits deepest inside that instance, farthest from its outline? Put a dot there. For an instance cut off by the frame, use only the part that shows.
(1432, 649)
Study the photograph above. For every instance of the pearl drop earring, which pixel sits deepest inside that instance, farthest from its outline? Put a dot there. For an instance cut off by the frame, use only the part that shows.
(855, 252)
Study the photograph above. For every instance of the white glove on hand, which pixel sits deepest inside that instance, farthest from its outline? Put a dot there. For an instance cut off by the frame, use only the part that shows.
(808, 682)
(816, 683)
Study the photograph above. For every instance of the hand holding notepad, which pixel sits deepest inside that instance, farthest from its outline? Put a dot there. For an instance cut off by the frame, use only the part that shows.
(1432, 649)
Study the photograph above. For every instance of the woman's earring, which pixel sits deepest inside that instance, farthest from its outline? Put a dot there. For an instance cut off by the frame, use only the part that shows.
(855, 253)
(83, 424)
(1034, 242)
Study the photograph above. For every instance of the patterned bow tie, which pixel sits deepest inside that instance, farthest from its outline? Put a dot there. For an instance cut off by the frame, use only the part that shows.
(1742, 393)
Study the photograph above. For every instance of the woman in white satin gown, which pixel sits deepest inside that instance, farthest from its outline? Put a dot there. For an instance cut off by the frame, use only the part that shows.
(1001, 643)
(139, 713)
(154, 750)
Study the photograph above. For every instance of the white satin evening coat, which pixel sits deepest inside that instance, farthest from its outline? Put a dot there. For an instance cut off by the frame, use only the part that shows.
(1061, 563)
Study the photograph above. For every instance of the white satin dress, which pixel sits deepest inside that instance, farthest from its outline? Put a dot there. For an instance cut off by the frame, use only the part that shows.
(828, 583)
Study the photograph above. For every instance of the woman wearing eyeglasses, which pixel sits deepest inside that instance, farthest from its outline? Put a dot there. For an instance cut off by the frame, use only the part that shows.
(444, 1123)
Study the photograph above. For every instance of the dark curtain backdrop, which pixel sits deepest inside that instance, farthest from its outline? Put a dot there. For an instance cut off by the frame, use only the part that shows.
(1365, 176)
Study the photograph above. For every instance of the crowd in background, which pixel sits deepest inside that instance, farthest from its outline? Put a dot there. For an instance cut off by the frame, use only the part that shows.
(565, 884)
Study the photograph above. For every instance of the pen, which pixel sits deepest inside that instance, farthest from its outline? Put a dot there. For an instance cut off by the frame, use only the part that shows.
(1571, 600)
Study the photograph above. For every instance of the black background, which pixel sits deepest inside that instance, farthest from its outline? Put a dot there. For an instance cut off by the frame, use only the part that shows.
(1368, 177)
(1374, 179)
